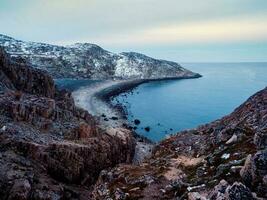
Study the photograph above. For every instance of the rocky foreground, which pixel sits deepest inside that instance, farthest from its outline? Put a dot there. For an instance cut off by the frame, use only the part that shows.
(84, 60)
(223, 160)
(49, 148)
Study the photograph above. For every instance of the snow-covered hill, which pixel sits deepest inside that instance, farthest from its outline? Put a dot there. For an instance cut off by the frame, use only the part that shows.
(84, 60)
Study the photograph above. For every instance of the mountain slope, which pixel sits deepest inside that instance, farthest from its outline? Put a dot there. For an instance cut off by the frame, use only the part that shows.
(84, 60)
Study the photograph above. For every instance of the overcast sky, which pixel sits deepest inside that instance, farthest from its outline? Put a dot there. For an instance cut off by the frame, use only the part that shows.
(180, 30)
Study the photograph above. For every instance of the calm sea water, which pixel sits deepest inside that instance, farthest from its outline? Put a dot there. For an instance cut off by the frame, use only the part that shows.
(171, 106)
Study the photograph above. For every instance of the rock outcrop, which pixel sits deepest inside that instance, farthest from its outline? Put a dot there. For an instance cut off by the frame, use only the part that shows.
(49, 148)
(223, 160)
(19, 76)
(91, 61)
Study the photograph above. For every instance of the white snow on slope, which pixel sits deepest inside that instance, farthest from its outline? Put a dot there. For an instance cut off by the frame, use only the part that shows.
(85, 60)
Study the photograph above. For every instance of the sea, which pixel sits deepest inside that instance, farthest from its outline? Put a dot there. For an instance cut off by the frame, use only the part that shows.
(167, 107)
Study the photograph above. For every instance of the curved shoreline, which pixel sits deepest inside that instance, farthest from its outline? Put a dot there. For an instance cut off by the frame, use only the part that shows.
(96, 98)
(127, 85)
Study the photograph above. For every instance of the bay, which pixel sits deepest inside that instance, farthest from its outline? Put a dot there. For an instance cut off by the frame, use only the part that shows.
(170, 106)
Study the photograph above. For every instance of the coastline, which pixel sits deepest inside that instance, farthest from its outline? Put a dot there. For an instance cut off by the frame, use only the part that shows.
(127, 85)
(96, 98)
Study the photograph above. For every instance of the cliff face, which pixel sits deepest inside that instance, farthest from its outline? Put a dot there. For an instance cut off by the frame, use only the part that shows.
(91, 61)
(223, 160)
(19, 76)
(49, 148)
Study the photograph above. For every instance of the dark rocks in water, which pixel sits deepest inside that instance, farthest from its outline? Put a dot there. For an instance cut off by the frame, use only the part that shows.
(137, 122)
(114, 118)
(103, 115)
(106, 119)
(134, 128)
(171, 129)
(147, 129)
(125, 125)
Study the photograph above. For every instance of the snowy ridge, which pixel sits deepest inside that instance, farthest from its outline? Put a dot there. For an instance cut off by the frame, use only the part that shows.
(85, 60)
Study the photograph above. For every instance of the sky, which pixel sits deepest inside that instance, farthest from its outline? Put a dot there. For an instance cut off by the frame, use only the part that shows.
(178, 30)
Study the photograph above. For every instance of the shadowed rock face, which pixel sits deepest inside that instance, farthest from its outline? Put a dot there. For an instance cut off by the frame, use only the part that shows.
(22, 77)
(49, 148)
(225, 159)
(91, 61)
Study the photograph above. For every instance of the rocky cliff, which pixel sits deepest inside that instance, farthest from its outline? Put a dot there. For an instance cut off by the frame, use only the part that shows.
(19, 76)
(91, 61)
(49, 148)
(223, 160)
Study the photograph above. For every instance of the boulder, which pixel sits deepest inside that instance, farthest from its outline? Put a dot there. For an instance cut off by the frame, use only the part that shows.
(238, 191)
(232, 140)
(255, 167)
(246, 171)
(259, 165)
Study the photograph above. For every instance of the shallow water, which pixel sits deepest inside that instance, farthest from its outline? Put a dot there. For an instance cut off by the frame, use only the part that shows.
(171, 106)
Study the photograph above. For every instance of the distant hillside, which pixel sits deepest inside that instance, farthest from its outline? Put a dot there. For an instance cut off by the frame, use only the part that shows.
(84, 60)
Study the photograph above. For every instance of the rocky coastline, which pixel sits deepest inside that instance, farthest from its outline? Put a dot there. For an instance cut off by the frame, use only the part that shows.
(225, 159)
(50, 149)
(97, 100)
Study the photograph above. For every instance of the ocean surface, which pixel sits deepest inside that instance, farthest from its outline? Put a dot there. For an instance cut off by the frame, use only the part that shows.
(171, 106)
